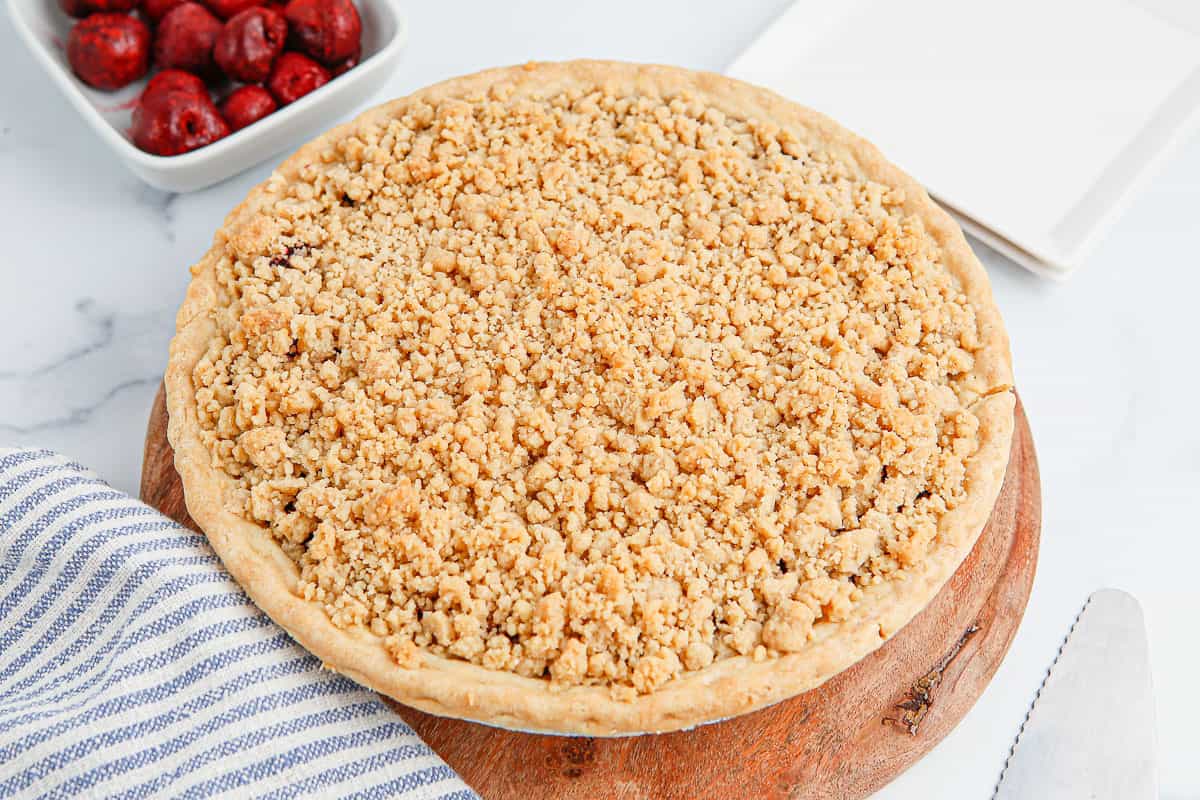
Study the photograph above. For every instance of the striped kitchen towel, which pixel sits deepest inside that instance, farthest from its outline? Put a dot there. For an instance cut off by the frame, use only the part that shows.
(131, 665)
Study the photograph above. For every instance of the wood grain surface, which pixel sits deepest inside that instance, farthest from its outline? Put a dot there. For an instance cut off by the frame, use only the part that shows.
(842, 740)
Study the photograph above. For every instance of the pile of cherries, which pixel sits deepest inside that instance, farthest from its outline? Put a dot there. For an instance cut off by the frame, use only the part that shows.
(277, 53)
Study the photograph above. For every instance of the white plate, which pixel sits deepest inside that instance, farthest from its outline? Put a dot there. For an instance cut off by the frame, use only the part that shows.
(44, 28)
(1033, 121)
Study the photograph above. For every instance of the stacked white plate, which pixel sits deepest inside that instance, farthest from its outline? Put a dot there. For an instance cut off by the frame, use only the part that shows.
(1031, 120)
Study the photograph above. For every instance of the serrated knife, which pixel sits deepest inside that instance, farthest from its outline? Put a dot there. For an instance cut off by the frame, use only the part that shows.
(1090, 732)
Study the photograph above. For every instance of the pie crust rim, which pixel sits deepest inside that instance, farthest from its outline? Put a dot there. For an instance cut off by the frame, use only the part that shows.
(728, 687)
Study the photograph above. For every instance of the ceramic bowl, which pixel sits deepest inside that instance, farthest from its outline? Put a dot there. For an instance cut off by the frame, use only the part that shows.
(44, 28)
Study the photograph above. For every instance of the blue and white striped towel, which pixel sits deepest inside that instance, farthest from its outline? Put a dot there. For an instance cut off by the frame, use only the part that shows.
(131, 665)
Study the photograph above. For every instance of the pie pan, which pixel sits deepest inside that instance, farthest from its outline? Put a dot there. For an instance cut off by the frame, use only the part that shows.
(44, 28)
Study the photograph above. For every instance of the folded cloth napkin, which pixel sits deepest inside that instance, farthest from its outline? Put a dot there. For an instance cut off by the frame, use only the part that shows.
(131, 665)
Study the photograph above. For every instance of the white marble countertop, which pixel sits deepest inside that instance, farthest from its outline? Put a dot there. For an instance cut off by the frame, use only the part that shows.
(1107, 365)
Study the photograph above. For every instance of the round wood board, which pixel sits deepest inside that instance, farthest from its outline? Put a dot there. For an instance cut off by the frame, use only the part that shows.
(842, 740)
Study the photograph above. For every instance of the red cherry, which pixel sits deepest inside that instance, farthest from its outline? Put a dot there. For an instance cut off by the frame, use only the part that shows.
(185, 39)
(75, 8)
(175, 80)
(295, 76)
(109, 51)
(228, 9)
(347, 64)
(83, 8)
(328, 30)
(171, 122)
(247, 105)
(155, 10)
(249, 44)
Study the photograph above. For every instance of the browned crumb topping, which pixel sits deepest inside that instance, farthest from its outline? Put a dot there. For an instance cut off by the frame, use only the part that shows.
(591, 387)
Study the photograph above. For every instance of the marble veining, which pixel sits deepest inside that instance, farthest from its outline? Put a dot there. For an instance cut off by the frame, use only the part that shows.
(162, 203)
(32, 399)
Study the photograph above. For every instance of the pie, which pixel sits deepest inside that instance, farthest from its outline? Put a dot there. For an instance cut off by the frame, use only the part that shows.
(590, 398)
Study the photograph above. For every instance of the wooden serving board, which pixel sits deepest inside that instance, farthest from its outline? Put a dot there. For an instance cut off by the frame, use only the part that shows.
(842, 740)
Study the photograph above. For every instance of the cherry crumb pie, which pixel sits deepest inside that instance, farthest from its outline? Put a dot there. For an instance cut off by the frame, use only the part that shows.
(590, 397)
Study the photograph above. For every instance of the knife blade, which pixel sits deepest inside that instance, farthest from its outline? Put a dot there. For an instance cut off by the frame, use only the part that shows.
(1090, 732)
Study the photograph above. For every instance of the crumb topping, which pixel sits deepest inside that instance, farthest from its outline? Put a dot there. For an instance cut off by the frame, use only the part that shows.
(588, 386)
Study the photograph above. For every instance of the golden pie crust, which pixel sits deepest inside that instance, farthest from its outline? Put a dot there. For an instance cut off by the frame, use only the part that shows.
(590, 398)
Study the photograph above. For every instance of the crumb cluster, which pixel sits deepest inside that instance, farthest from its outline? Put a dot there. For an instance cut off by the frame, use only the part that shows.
(585, 386)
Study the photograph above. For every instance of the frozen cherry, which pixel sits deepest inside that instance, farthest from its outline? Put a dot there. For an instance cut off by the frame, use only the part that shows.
(171, 122)
(82, 8)
(327, 30)
(249, 44)
(155, 10)
(109, 51)
(175, 80)
(295, 76)
(228, 9)
(346, 64)
(75, 8)
(247, 105)
(185, 39)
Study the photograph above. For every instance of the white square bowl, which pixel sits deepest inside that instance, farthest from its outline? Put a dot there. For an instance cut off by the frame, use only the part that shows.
(44, 27)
